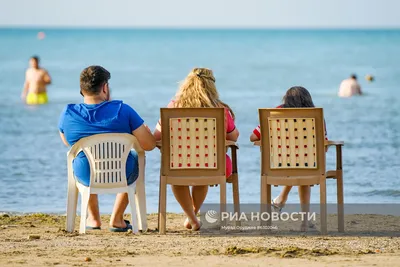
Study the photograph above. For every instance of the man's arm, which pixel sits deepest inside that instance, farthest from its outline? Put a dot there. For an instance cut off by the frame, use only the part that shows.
(46, 77)
(26, 86)
(145, 138)
(359, 89)
(63, 139)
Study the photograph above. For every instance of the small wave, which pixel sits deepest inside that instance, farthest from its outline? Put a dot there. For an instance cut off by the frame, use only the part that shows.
(386, 193)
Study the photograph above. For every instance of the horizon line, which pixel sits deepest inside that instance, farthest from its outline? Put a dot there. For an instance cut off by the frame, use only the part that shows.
(102, 27)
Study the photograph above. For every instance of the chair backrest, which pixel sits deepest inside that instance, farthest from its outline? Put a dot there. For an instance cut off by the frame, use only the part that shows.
(193, 142)
(292, 142)
(107, 155)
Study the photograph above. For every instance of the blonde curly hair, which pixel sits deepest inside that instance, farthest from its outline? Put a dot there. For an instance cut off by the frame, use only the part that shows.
(198, 90)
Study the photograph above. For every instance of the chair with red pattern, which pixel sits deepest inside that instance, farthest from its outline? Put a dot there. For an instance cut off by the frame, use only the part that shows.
(193, 149)
(293, 150)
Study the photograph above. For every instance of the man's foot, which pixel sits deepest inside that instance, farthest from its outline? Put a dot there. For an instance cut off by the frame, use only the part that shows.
(127, 227)
(93, 224)
(119, 223)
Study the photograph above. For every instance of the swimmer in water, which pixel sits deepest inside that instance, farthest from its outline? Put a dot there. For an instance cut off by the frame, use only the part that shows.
(350, 87)
(36, 80)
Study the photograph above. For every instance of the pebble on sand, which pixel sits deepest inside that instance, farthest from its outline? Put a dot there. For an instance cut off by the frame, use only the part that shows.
(32, 237)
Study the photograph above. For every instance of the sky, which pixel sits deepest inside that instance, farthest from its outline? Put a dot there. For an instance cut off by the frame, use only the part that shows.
(201, 13)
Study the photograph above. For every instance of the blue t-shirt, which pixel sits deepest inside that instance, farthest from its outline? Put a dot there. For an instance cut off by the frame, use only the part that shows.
(82, 120)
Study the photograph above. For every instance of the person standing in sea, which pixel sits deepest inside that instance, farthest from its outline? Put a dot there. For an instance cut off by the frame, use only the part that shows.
(36, 81)
(350, 87)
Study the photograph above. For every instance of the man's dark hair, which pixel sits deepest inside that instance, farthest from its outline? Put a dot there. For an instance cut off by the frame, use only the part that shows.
(36, 58)
(92, 79)
(353, 76)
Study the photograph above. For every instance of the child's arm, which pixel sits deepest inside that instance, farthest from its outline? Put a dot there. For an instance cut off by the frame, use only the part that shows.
(254, 138)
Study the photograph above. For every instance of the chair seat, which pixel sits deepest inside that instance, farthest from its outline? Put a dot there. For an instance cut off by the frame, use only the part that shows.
(115, 190)
(292, 180)
(190, 181)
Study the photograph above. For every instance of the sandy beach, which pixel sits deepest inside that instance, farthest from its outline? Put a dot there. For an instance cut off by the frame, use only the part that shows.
(40, 240)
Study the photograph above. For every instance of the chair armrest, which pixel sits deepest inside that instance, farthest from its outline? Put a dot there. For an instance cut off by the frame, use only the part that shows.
(229, 143)
(329, 143)
(257, 143)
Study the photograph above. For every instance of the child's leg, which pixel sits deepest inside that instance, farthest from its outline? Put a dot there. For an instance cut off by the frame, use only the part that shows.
(304, 194)
(283, 196)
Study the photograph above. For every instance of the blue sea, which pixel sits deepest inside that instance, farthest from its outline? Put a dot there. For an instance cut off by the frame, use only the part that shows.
(253, 69)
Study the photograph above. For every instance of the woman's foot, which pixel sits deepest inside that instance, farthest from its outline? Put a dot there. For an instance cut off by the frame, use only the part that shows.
(196, 226)
(187, 224)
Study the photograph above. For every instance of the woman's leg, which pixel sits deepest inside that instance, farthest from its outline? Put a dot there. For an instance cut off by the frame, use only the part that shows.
(182, 195)
(199, 194)
(93, 219)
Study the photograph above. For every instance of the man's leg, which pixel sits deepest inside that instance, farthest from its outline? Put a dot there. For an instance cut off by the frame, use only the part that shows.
(93, 219)
(117, 217)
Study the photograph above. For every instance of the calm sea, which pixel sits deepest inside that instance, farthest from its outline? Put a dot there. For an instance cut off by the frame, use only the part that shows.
(253, 69)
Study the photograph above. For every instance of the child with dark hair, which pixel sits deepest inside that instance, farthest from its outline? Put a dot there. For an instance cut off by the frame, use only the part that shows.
(295, 97)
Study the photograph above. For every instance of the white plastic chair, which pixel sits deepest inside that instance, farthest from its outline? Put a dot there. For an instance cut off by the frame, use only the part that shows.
(107, 155)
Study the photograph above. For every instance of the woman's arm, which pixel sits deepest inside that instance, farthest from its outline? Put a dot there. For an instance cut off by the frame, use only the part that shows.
(233, 136)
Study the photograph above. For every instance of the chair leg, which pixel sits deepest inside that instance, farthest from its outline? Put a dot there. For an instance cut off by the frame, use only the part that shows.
(269, 208)
(263, 199)
(222, 192)
(85, 194)
(339, 183)
(323, 218)
(340, 201)
(72, 203)
(132, 204)
(141, 195)
(236, 200)
(162, 213)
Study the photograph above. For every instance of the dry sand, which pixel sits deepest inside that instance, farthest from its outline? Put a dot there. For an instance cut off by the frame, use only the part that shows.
(19, 245)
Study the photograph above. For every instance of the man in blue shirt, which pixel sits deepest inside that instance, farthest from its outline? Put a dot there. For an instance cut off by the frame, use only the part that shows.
(100, 115)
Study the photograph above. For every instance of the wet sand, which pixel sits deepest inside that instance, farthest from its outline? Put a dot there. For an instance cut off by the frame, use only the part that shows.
(40, 240)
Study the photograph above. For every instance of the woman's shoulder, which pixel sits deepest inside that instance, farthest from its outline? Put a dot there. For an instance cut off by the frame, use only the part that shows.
(171, 103)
